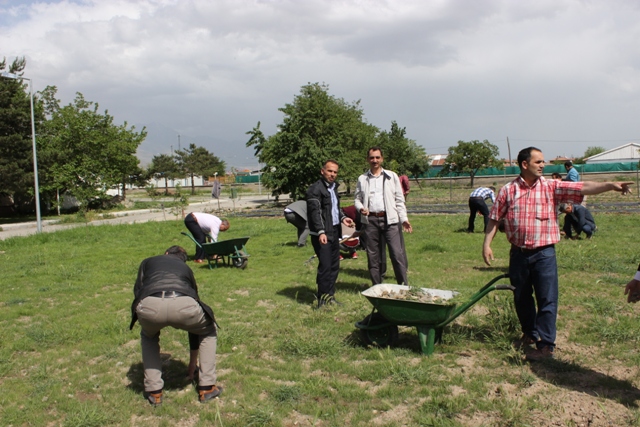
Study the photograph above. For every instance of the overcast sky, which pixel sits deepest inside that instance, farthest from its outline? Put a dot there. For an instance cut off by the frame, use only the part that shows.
(562, 75)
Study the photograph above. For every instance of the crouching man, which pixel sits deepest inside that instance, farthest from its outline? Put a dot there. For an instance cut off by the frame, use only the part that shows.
(166, 294)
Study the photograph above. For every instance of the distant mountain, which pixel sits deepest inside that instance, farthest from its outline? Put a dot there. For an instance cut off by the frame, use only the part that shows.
(161, 140)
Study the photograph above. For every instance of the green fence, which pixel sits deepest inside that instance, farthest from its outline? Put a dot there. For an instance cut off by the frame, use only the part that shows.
(247, 179)
(548, 170)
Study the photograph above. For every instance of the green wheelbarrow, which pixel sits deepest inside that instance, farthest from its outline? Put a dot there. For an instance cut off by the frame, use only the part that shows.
(233, 249)
(380, 328)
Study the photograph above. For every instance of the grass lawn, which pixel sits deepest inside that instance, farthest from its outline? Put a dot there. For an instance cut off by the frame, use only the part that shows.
(68, 358)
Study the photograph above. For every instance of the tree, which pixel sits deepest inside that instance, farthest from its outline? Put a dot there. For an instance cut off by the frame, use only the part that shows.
(198, 161)
(402, 154)
(316, 126)
(137, 177)
(416, 162)
(84, 151)
(470, 157)
(16, 144)
(164, 166)
(590, 151)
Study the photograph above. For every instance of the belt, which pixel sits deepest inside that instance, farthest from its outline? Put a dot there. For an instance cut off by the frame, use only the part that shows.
(530, 251)
(481, 198)
(194, 217)
(377, 214)
(168, 294)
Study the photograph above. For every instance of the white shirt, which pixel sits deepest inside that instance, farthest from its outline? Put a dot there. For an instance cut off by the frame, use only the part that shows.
(376, 196)
(209, 224)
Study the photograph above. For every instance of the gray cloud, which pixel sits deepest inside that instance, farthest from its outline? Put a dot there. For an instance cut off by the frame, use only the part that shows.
(560, 74)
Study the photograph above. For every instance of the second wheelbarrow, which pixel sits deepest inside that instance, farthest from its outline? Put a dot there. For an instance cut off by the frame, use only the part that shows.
(381, 326)
(233, 249)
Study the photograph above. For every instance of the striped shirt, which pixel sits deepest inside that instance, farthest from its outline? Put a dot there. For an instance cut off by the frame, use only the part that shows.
(484, 193)
(531, 213)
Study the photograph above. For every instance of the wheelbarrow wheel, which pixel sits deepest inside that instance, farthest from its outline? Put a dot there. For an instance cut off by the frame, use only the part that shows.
(386, 336)
(240, 263)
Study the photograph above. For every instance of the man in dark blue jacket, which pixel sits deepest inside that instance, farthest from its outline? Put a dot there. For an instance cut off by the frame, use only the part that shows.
(324, 218)
(166, 294)
(577, 218)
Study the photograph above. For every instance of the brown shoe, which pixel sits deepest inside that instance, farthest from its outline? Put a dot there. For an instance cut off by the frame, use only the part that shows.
(154, 398)
(206, 395)
(544, 353)
(524, 342)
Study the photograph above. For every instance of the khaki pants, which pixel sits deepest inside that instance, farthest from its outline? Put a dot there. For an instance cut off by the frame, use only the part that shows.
(181, 313)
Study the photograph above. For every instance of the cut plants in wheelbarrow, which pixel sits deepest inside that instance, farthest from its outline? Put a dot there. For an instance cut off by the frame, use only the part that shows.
(429, 310)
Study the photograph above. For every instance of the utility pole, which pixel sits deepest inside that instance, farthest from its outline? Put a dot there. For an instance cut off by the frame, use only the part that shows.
(509, 148)
(179, 142)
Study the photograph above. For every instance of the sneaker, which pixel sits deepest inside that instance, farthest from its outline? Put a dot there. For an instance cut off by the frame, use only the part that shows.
(544, 353)
(341, 258)
(326, 300)
(354, 256)
(198, 261)
(207, 395)
(154, 398)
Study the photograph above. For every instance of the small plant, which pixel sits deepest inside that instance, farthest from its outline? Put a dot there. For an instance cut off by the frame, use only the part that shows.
(287, 393)
(181, 201)
(86, 416)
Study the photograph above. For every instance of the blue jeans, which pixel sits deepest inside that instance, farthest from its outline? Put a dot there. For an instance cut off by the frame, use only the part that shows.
(536, 271)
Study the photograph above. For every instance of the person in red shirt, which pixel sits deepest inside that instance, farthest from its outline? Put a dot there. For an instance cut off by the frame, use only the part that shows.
(529, 207)
(404, 182)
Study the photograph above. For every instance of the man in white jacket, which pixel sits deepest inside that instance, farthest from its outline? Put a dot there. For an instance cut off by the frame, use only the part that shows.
(380, 201)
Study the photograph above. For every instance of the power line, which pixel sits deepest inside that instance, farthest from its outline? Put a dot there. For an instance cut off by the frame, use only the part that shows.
(574, 140)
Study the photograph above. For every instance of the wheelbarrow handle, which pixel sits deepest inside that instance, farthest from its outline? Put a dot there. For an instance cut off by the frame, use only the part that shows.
(192, 238)
(505, 288)
(475, 298)
(494, 280)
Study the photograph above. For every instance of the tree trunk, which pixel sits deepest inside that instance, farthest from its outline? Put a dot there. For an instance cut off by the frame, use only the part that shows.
(166, 186)
(193, 186)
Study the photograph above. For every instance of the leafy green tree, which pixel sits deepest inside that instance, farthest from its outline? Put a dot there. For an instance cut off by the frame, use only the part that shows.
(164, 166)
(137, 176)
(16, 144)
(198, 161)
(402, 154)
(85, 152)
(317, 126)
(590, 151)
(416, 162)
(470, 157)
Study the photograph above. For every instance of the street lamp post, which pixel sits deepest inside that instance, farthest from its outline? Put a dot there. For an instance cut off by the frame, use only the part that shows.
(33, 138)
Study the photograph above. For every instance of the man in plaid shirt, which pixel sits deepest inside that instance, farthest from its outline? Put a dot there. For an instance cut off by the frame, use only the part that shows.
(529, 207)
(477, 204)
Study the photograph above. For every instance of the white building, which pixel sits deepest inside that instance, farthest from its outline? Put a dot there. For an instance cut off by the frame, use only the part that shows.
(184, 182)
(623, 154)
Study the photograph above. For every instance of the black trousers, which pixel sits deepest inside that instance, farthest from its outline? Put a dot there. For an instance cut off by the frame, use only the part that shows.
(477, 204)
(193, 227)
(329, 262)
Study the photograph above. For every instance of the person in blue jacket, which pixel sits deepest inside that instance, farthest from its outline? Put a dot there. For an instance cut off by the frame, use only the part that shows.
(577, 218)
